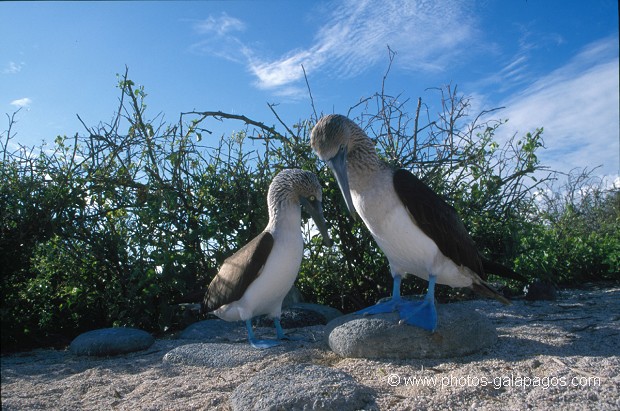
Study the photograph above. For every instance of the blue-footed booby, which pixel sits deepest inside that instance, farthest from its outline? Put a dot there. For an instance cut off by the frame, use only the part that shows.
(417, 230)
(255, 280)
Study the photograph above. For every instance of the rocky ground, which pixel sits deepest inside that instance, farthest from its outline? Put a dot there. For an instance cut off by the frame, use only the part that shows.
(563, 354)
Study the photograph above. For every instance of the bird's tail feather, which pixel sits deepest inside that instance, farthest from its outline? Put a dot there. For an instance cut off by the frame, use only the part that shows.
(486, 290)
(491, 267)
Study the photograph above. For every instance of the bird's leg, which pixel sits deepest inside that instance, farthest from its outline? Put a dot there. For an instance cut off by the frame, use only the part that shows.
(396, 287)
(421, 314)
(388, 306)
(280, 332)
(258, 343)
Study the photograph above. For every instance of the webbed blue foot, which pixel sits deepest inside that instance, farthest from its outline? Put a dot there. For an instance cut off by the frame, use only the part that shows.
(423, 313)
(256, 343)
(262, 344)
(389, 306)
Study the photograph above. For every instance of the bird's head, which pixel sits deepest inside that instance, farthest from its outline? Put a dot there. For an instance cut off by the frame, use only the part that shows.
(311, 198)
(331, 140)
(306, 189)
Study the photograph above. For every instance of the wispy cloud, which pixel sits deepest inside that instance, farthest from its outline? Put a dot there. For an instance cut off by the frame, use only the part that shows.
(353, 39)
(515, 72)
(518, 68)
(219, 37)
(578, 107)
(356, 34)
(12, 68)
(22, 102)
(221, 25)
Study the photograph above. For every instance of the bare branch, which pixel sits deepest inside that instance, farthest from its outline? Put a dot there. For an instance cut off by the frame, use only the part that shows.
(219, 115)
(316, 118)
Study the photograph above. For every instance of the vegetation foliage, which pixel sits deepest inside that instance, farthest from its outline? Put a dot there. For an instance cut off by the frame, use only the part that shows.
(121, 224)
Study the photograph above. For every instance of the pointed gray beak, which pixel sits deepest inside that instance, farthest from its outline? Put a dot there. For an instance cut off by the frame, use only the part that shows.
(315, 209)
(338, 164)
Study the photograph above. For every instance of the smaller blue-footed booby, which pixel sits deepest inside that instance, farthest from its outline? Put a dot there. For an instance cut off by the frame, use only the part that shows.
(417, 230)
(255, 280)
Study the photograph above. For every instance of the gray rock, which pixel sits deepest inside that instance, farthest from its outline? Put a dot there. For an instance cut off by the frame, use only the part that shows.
(215, 331)
(301, 315)
(460, 331)
(541, 290)
(293, 318)
(217, 354)
(302, 387)
(292, 297)
(111, 341)
(327, 312)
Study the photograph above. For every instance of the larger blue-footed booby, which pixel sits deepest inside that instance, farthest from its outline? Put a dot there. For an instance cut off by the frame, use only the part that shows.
(417, 230)
(255, 280)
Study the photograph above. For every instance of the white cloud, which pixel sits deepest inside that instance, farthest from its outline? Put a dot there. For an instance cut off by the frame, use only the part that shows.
(353, 38)
(221, 26)
(578, 106)
(218, 39)
(12, 68)
(356, 34)
(22, 102)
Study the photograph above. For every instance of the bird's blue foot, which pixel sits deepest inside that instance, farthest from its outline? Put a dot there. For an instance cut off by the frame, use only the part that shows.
(256, 343)
(261, 344)
(421, 314)
(388, 306)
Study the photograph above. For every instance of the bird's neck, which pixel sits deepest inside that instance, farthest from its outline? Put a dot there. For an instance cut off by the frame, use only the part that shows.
(285, 216)
(363, 164)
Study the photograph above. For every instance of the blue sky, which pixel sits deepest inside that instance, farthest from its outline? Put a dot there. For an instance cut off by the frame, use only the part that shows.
(550, 63)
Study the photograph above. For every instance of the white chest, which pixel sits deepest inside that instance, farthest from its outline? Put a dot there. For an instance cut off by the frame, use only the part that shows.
(266, 293)
(406, 247)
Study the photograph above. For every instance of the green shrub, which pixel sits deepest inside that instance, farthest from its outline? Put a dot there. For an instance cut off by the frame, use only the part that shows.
(122, 224)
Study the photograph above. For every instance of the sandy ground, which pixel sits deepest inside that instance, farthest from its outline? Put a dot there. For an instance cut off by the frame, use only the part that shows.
(563, 354)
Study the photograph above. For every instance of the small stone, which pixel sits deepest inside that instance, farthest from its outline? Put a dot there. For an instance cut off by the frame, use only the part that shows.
(302, 387)
(541, 290)
(111, 341)
(461, 331)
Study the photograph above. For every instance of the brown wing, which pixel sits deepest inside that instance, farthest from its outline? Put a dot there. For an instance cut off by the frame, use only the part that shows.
(438, 220)
(238, 272)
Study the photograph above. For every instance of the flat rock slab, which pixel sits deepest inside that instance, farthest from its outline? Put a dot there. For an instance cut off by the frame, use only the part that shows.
(218, 354)
(461, 331)
(111, 341)
(302, 387)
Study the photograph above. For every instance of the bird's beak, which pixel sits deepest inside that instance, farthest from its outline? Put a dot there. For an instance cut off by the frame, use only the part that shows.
(338, 164)
(315, 209)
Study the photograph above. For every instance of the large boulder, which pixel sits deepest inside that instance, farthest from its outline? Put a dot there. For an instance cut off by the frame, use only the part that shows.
(460, 331)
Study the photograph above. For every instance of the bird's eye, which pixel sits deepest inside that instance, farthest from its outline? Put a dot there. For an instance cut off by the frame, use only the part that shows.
(312, 198)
